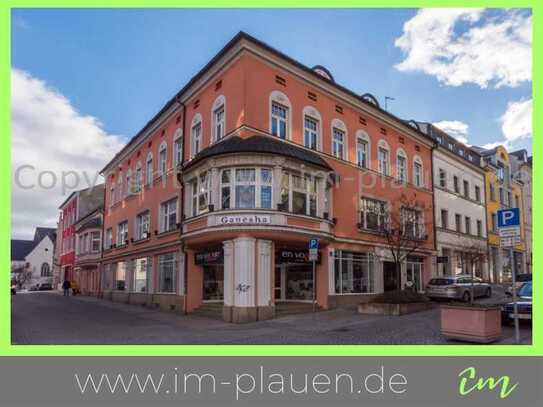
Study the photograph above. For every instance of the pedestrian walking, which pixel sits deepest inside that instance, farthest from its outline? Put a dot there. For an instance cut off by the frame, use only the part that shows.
(66, 287)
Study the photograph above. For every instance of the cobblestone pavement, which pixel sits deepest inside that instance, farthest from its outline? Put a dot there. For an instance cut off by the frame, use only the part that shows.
(49, 318)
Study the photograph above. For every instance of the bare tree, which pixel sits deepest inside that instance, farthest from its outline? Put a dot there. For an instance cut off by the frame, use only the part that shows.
(406, 231)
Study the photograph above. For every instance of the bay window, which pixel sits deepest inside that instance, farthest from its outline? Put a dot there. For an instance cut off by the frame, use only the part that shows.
(279, 120)
(311, 132)
(299, 194)
(246, 188)
(373, 214)
(353, 273)
(168, 215)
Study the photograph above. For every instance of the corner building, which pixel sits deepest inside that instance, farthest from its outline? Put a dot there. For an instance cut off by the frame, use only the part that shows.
(213, 203)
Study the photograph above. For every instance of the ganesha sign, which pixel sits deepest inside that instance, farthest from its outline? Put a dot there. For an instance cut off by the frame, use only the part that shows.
(244, 219)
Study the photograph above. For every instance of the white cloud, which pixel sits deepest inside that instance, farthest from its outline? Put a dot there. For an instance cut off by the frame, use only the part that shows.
(461, 46)
(50, 135)
(516, 123)
(459, 130)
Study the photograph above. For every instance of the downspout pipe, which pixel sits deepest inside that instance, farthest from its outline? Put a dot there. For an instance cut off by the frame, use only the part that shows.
(181, 210)
(434, 214)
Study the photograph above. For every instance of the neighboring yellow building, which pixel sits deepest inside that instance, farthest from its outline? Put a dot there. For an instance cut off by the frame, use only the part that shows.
(502, 192)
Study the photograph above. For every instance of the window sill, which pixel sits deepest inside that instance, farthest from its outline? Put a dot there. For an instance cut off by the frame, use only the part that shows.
(121, 246)
(370, 231)
(140, 241)
(166, 233)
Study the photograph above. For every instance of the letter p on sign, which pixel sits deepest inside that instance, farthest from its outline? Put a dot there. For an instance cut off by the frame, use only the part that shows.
(508, 217)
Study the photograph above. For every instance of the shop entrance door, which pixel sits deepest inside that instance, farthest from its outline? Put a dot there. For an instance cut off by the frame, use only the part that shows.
(294, 282)
(390, 282)
(213, 287)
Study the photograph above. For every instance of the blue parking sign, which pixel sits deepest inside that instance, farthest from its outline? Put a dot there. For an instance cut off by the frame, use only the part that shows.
(314, 244)
(508, 217)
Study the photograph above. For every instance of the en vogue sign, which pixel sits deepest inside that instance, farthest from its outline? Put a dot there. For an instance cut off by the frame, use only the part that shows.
(244, 219)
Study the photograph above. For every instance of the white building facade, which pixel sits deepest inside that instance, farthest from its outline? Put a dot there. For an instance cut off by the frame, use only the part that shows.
(460, 214)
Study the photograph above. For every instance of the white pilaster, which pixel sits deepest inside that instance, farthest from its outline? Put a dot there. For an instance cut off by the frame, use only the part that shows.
(215, 188)
(277, 178)
(244, 272)
(228, 248)
(264, 273)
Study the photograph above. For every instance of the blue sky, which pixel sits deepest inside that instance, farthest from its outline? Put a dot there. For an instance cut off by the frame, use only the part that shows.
(110, 71)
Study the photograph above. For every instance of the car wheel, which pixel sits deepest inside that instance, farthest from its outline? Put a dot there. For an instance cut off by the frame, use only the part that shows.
(466, 297)
(488, 293)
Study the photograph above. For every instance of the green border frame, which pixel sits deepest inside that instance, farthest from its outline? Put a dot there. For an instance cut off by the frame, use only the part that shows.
(6, 349)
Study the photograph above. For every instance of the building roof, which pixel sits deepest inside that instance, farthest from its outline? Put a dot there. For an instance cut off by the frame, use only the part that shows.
(449, 143)
(80, 191)
(261, 145)
(316, 72)
(41, 232)
(21, 248)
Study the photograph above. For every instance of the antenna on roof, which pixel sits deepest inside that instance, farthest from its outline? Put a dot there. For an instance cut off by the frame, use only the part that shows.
(387, 98)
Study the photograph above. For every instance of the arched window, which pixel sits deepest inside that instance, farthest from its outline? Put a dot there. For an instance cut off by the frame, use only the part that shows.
(280, 115)
(339, 139)
(312, 128)
(401, 166)
(418, 172)
(162, 159)
(120, 187)
(196, 135)
(177, 147)
(129, 186)
(363, 149)
(383, 157)
(149, 169)
(218, 122)
(138, 181)
(45, 270)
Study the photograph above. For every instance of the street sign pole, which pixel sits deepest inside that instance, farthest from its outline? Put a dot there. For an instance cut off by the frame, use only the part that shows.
(313, 256)
(509, 228)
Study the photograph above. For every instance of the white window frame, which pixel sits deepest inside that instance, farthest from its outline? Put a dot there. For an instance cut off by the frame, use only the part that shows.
(338, 125)
(279, 120)
(218, 129)
(128, 190)
(345, 256)
(177, 147)
(164, 215)
(362, 136)
(402, 178)
(196, 136)
(149, 173)
(383, 168)
(108, 241)
(120, 187)
(365, 210)
(139, 225)
(444, 178)
(312, 114)
(162, 159)
(308, 181)
(418, 179)
(419, 221)
(95, 236)
(281, 99)
(138, 182)
(122, 233)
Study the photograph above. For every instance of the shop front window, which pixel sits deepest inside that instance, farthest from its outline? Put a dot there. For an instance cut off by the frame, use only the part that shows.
(120, 276)
(166, 273)
(142, 274)
(414, 274)
(354, 273)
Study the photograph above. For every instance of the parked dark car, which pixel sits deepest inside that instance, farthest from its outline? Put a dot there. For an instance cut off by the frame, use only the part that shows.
(46, 287)
(13, 290)
(520, 279)
(524, 305)
(457, 288)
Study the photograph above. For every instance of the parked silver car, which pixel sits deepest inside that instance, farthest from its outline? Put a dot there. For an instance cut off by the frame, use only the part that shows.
(457, 288)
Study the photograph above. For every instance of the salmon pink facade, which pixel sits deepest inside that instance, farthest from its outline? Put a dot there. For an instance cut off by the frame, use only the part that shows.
(212, 204)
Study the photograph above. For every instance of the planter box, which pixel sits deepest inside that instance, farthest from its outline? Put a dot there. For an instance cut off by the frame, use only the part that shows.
(373, 308)
(471, 324)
